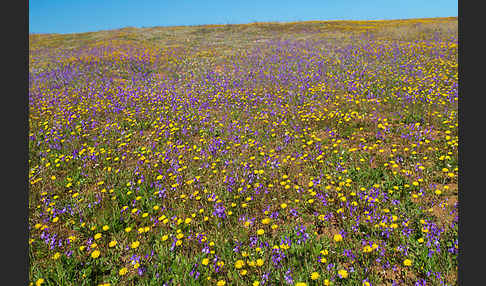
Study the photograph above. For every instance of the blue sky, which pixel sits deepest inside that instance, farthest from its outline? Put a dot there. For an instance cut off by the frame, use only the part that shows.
(77, 16)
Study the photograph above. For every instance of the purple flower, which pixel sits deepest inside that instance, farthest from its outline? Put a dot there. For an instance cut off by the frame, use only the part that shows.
(288, 277)
(219, 211)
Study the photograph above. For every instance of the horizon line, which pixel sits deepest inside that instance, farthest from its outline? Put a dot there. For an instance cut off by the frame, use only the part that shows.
(246, 23)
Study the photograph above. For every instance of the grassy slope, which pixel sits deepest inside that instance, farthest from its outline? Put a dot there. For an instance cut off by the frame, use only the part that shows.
(209, 47)
(227, 40)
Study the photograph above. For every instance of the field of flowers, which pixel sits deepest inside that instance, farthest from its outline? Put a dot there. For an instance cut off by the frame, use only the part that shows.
(324, 159)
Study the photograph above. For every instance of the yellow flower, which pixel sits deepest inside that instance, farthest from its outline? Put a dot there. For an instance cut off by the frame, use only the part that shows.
(407, 262)
(326, 282)
(259, 262)
(188, 220)
(123, 271)
(366, 283)
(367, 249)
(105, 227)
(112, 243)
(95, 253)
(315, 276)
(266, 220)
(39, 282)
(343, 273)
(337, 238)
(97, 236)
(205, 261)
(300, 284)
(221, 283)
(165, 237)
(239, 264)
(56, 256)
(260, 231)
(256, 283)
(135, 244)
(283, 206)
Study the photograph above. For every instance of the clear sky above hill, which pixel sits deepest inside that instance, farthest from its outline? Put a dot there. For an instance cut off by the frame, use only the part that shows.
(70, 16)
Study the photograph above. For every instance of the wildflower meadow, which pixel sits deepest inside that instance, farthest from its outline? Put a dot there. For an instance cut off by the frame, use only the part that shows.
(308, 153)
